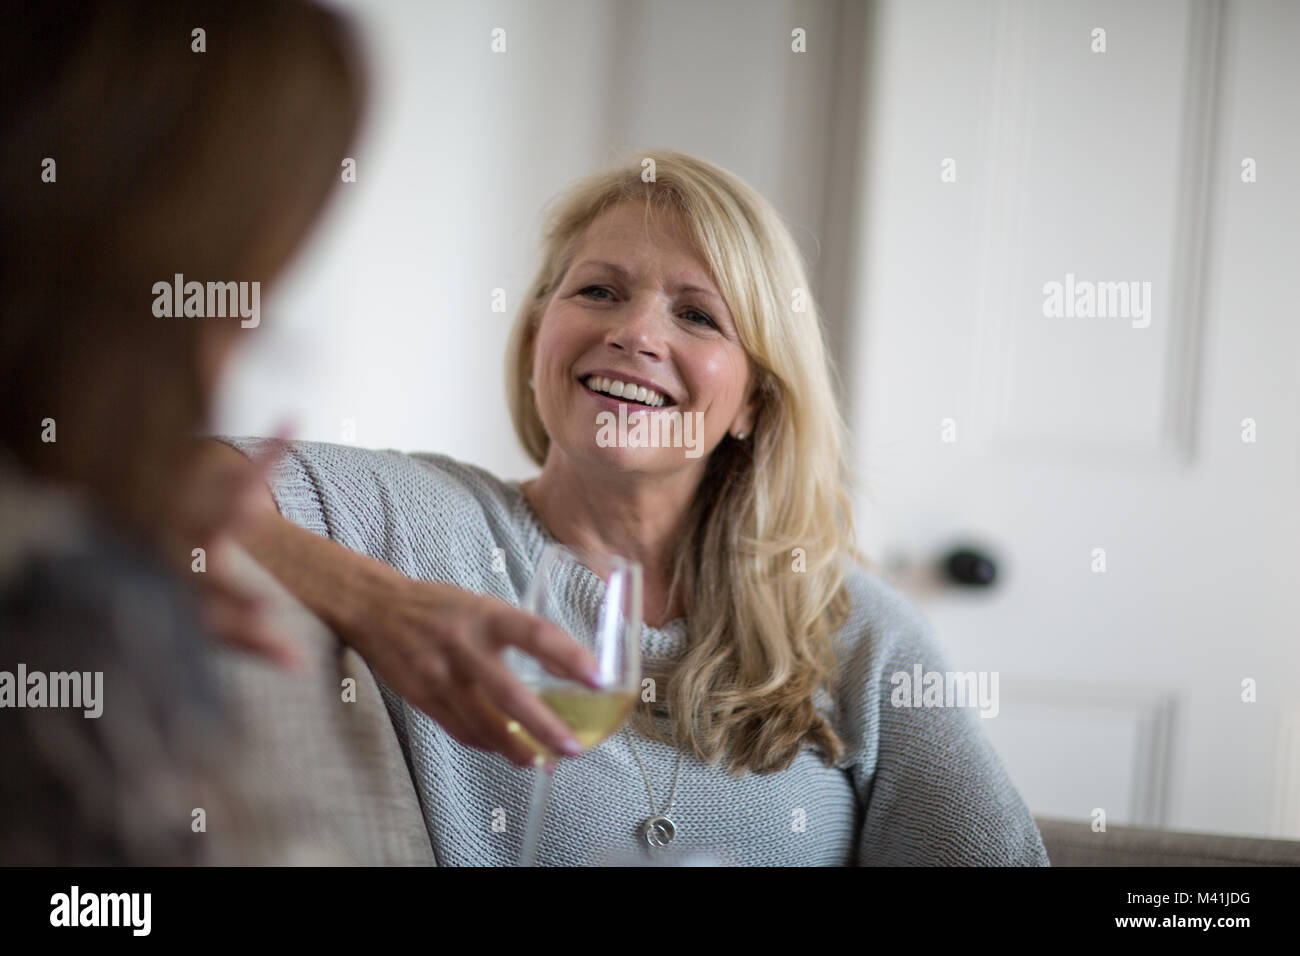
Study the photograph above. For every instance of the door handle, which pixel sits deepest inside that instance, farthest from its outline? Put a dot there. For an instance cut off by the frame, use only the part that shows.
(970, 567)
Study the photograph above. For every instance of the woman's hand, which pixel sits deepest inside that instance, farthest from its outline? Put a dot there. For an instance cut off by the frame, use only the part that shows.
(221, 497)
(440, 648)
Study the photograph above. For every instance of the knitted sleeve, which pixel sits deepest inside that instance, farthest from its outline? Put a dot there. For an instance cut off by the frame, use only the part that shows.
(932, 789)
(384, 504)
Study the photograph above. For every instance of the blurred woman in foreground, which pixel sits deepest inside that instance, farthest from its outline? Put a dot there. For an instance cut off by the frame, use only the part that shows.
(130, 157)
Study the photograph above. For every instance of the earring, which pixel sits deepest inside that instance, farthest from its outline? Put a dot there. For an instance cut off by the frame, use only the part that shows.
(740, 436)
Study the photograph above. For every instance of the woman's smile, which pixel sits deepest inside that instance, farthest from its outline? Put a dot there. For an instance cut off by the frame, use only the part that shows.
(612, 392)
(610, 403)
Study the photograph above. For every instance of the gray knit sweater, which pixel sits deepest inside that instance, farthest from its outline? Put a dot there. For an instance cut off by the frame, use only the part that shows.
(916, 786)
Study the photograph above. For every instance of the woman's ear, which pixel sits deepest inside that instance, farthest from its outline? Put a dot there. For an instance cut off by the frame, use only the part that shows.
(743, 424)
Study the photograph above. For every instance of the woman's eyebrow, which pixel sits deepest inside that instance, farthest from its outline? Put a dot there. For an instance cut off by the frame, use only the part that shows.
(613, 267)
(695, 288)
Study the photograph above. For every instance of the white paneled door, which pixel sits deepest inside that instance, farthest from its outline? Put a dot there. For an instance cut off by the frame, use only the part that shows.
(1076, 349)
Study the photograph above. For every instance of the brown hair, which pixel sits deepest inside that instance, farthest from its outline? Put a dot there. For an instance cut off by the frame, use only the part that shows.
(210, 164)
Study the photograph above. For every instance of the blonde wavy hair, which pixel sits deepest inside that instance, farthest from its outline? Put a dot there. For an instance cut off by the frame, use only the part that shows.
(761, 630)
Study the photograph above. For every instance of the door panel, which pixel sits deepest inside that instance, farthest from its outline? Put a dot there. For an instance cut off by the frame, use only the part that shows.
(1146, 549)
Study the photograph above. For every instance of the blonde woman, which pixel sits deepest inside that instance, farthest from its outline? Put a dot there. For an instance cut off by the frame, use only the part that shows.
(773, 740)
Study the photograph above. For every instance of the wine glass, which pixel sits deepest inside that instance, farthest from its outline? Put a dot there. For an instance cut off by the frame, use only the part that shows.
(596, 598)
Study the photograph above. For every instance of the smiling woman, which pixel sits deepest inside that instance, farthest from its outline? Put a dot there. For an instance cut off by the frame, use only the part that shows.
(768, 643)
(671, 255)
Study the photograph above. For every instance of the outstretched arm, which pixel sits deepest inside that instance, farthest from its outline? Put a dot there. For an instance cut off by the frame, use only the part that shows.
(435, 644)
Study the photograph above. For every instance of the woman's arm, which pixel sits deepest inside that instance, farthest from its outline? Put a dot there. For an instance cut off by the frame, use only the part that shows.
(435, 644)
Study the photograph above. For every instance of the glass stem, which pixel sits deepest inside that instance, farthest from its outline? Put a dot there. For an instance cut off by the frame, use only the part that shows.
(543, 778)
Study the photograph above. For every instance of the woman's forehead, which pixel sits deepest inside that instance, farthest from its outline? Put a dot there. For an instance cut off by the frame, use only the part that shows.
(625, 240)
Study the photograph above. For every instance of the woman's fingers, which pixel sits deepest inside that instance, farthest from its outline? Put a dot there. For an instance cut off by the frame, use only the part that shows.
(236, 613)
(450, 720)
(426, 673)
(239, 620)
(500, 737)
(248, 499)
(511, 698)
(555, 650)
(468, 718)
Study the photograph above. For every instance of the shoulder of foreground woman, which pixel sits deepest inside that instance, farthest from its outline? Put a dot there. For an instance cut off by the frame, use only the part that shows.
(78, 597)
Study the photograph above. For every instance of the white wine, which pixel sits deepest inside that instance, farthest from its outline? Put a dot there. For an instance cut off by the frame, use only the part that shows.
(592, 715)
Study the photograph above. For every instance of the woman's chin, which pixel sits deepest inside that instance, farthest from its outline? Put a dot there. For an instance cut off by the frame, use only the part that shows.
(629, 458)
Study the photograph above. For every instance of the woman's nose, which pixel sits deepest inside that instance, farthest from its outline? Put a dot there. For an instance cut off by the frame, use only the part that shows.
(640, 329)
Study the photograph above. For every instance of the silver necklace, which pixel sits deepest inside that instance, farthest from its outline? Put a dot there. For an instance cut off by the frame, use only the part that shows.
(658, 829)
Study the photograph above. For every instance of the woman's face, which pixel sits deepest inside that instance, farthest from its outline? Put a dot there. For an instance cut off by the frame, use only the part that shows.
(637, 303)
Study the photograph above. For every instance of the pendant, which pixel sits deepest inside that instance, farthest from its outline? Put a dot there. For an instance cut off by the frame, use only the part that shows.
(658, 831)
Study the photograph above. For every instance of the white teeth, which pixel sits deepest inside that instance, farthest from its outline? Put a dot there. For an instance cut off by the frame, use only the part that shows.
(635, 393)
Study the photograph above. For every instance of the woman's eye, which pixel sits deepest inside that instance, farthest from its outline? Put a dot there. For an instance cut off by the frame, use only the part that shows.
(597, 290)
(698, 317)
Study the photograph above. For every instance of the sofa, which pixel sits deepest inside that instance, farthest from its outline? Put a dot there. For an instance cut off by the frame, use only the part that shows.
(1073, 843)
(318, 776)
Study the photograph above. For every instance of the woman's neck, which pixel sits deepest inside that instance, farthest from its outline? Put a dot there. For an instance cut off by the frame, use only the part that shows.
(602, 510)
